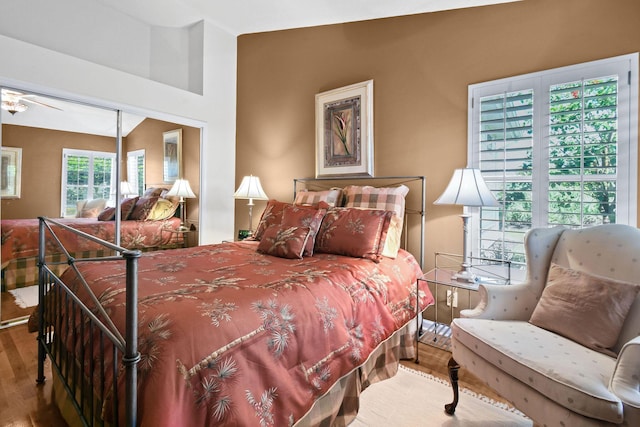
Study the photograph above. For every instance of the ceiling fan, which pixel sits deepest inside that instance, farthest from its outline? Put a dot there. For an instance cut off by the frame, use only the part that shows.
(15, 102)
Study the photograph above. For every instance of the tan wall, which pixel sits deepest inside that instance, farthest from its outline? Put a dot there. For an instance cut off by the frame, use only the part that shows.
(422, 66)
(148, 135)
(42, 167)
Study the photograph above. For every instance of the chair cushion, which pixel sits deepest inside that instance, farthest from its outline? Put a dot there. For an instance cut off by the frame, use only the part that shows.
(563, 370)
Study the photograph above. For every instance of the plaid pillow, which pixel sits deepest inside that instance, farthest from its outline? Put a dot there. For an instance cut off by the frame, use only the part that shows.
(332, 197)
(387, 199)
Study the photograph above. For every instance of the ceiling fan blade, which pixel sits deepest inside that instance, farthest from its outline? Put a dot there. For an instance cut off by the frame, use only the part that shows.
(33, 101)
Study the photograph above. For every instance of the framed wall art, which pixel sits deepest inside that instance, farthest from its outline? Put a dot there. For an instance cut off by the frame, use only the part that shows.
(11, 172)
(172, 148)
(344, 131)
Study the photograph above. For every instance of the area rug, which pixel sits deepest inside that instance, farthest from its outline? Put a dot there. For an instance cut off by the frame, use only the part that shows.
(416, 399)
(25, 297)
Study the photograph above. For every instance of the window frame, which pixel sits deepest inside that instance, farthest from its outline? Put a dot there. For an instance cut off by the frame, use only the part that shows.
(626, 67)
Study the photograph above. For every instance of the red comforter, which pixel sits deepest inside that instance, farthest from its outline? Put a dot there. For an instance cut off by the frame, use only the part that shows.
(20, 236)
(229, 336)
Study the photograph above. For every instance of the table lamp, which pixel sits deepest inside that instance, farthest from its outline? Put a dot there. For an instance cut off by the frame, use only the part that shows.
(126, 189)
(251, 189)
(182, 189)
(466, 188)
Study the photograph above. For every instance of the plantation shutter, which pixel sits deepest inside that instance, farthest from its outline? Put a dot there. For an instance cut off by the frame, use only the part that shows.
(557, 147)
(506, 142)
(86, 175)
(583, 147)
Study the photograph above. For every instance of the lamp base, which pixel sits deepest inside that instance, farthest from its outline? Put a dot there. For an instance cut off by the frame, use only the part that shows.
(465, 275)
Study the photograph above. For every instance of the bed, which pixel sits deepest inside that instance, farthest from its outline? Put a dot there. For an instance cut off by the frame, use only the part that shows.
(20, 237)
(257, 332)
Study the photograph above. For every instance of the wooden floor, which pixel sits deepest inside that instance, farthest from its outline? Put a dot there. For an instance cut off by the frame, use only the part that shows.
(25, 404)
(9, 309)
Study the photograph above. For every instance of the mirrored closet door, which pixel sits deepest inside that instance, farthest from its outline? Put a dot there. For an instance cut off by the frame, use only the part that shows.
(59, 160)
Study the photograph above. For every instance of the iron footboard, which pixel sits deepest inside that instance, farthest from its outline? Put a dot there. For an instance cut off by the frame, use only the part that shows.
(77, 338)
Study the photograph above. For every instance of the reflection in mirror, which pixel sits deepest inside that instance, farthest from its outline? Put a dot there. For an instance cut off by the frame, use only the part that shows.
(68, 170)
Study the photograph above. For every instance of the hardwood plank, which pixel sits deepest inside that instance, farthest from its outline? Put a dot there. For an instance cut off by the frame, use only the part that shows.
(23, 403)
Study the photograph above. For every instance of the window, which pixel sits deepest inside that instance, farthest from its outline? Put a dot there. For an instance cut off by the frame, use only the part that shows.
(135, 170)
(86, 175)
(557, 147)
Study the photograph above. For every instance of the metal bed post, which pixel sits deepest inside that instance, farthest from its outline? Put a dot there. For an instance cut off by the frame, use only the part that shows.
(41, 274)
(63, 361)
(131, 357)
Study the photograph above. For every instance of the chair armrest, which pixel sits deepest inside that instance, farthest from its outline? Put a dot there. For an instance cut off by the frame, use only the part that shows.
(503, 302)
(625, 381)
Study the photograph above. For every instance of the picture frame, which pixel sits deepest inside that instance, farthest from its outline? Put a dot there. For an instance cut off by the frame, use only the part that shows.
(11, 172)
(344, 131)
(172, 152)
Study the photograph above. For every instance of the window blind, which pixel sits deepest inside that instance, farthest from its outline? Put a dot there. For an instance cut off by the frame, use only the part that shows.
(557, 147)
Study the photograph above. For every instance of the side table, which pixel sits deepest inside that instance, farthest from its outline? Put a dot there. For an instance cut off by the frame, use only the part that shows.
(182, 238)
(455, 295)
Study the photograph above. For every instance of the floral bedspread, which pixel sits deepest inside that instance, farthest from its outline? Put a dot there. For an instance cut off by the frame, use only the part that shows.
(229, 336)
(20, 236)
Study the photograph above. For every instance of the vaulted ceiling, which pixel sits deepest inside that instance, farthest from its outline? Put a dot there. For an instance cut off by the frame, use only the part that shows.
(252, 16)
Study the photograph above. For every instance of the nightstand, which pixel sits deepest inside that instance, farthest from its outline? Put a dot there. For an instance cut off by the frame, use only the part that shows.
(452, 296)
(181, 238)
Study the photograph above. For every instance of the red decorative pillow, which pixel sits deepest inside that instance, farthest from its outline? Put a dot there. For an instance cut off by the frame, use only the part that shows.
(305, 216)
(143, 208)
(272, 215)
(127, 206)
(354, 232)
(108, 214)
(284, 242)
(153, 192)
(386, 199)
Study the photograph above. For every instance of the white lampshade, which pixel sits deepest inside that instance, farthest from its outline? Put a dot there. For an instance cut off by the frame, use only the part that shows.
(126, 189)
(467, 188)
(182, 189)
(250, 188)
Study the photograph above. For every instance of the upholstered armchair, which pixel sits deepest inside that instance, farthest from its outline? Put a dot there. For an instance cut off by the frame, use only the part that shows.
(564, 346)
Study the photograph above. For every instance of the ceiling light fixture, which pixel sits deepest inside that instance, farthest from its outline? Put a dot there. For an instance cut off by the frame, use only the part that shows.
(14, 107)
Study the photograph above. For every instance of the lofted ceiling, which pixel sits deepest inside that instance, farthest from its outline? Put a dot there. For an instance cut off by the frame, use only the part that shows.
(253, 16)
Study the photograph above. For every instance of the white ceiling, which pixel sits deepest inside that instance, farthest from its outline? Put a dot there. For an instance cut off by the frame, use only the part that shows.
(252, 16)
(70, 117)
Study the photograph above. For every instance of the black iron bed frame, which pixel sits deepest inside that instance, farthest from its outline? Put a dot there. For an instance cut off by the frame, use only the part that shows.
(71, 370)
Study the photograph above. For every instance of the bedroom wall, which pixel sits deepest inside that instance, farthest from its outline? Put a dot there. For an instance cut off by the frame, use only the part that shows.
(421, 66)
(42, 167)
(148, 135)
